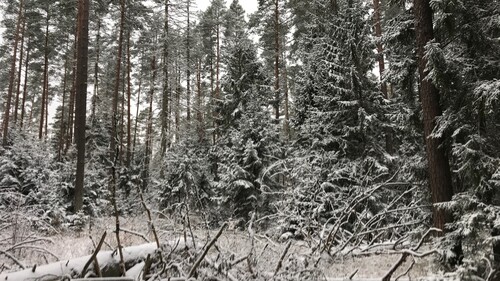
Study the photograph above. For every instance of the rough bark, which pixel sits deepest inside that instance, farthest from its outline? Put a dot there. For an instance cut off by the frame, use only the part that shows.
(217, 79)
(377, 17)
(46, 123)
(286, 124)
(177, 113)
(440, 183)
(11, 77)
(129, 96)
(188, 66)
(212, 97)
(96, 66)
(72, 94)
(45, 78)
(114, 114)
(25, 86)
(60, 148)
(276, 61)
(122, 110)
(149, 130)
(166, 91)
(137, 112)
(81, 99)
(199, 99)
(19, 72)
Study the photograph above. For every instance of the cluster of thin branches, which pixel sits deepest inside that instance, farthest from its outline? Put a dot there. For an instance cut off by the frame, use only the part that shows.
(20, 229)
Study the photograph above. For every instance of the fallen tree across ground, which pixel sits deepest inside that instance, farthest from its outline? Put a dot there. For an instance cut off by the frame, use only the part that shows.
(108, 262)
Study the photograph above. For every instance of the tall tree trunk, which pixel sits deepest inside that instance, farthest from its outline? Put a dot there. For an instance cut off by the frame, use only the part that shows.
(129, 96)
(199, 99)
(377, 17)
(217, 62)
(177, 100)
(439, 169)
(81, 99)
(25, 86)
(212, 98)
(122, 110)
(12, 76)
(166, 90)
(286, 124)
(72, 95)
(46, 123)
(276, 61)
(96, 66)
(45, 77)
(114, 118)
(137, 113)
(30, 118)
(19, 72)
(188, 66)
(60, 148)
(217, 78)
(149, 130)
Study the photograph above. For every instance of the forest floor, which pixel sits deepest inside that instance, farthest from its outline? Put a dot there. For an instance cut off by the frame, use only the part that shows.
(232, 244)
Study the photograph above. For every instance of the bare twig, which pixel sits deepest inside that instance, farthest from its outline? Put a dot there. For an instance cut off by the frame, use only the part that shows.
(97, 268)
(280, 262)
(353, 274)
(28, 242)
(227, 274)
(263, 250)
(411, 252)
(147, 268)
(205, 251)
(136, 234)
(407, 269)
(189, 227)
(237, 261)
(422, 240)
(150, 220)
(492, 271)
(117, 217)
(39, 249)
(94, 255)
(16, 261)
(402, 259)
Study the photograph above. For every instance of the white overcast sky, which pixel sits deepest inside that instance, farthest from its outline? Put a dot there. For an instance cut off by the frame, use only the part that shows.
(249, 6)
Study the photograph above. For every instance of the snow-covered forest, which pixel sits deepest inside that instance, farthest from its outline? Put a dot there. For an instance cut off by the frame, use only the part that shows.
(284, 144)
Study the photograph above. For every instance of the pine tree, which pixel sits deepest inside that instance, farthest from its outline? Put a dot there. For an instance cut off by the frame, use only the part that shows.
(114, 122)
(248, 143)
(12, 76)
(339, 154)
(211, 24)
(81, 100)
(272, 23)
(440, 182)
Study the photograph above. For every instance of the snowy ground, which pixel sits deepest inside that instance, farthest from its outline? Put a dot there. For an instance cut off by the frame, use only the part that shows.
(233, 244)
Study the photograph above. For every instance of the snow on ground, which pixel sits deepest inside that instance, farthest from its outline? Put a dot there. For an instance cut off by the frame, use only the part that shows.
(233, 243)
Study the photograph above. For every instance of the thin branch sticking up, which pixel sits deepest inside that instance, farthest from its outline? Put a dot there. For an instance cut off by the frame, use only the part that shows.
(93, 257)
(283, 255)
(205, 251)
(136, 234)
(405, 253)
(21, 265)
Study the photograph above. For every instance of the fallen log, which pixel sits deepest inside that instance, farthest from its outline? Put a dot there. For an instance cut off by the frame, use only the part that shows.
(109, 263)
(105, 279)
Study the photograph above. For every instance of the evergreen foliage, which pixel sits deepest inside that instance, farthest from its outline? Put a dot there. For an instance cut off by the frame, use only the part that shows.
(351, 172)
